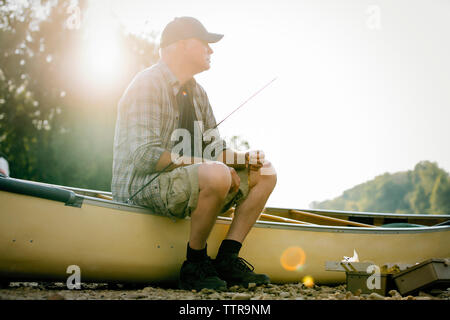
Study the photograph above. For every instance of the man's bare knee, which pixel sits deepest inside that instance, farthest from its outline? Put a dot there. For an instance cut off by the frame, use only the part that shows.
(215, 177)
(266, 176)
(269, 174)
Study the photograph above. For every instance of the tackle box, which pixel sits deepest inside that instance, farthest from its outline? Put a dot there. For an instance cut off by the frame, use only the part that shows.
(358, 280)
(432, 273)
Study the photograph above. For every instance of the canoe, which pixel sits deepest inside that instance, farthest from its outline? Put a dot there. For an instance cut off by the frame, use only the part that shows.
(45, 228)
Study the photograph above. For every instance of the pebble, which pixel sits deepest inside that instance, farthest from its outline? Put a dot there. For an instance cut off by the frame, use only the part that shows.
(56, 296)
(394, 293)
(375, 296)
(215, 296)
(207, 291)
(424, 294)
(422, 298)
(339, 296)
(241, 296)
(136, 296)
(327, 290)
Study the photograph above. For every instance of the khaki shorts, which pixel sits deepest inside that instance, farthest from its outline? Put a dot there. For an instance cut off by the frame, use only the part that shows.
(179, 190)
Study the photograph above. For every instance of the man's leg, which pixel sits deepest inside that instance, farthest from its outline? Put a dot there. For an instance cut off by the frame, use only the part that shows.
(197, 271)
(214, 183)
(229, 265)
(246, 214)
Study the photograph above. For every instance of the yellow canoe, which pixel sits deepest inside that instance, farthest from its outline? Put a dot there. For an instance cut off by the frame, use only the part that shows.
(44, 229)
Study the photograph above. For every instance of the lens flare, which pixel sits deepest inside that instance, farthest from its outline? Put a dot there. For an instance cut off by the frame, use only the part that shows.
(308, 281)
(293, 258)
(101, 53)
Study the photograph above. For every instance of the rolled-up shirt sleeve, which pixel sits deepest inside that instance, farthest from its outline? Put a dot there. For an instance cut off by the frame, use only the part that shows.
(144, 127)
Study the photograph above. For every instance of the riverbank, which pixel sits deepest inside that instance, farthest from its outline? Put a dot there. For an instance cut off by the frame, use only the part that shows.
(294, 291)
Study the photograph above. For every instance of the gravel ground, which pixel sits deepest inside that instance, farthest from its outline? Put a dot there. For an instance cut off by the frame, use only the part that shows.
(295, 291)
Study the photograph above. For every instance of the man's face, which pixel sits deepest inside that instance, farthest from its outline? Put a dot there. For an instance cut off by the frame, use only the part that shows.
(198, 54)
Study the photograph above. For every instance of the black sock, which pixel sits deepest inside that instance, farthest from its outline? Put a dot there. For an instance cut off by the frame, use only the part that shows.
(196, 255)
(229, 248)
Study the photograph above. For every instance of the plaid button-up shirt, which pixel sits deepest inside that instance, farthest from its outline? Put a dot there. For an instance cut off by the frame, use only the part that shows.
(147, 116)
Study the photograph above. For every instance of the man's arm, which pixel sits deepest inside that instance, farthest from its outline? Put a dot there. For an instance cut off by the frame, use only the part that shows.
(233, 159)
(242, 159)
(177, 161)
(144, 117)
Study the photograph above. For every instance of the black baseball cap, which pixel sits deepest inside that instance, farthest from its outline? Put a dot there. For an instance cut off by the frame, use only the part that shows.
(182, 28)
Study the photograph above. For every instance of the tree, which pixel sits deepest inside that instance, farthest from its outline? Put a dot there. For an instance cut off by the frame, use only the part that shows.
(32, 88)
(52, 128)
(238, 143)
(418, 200)
(426, 189)
(440, 196)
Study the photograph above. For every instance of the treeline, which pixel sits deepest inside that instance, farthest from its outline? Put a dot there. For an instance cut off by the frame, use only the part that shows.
(54, 127)
(424, 190)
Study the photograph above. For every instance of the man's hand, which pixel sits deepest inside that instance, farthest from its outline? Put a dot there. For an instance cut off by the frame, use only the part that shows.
(255, 159)
(235, 180)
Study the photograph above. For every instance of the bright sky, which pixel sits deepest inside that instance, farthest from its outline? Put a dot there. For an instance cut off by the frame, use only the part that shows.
(363, 87)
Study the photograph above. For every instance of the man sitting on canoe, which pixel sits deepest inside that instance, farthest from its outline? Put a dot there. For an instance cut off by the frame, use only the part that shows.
(162, 104)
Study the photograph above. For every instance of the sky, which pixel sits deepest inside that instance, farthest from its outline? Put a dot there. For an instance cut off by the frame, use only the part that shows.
(363, 87)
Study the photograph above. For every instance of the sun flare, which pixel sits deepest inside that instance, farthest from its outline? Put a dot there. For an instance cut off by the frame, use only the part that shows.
(101, 54)
(308, 281)
(293, 258)
(101, 47)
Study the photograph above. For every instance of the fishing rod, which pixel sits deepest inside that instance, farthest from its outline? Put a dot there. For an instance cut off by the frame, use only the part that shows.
(171, 163)
(242, 104)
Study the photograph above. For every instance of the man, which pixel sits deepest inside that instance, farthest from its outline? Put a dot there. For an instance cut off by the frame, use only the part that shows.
(4, 166)
(162, 104)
